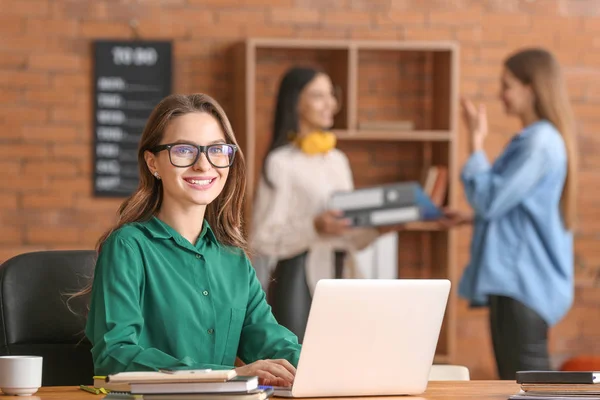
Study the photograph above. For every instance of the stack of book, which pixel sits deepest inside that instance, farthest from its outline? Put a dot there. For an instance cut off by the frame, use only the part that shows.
(182, 385)
(558, 385)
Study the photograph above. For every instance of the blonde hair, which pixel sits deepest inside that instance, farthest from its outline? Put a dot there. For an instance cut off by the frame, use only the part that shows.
(539, 69)
(224, 214)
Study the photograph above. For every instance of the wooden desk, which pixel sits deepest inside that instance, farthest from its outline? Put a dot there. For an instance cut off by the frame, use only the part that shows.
(474, 390)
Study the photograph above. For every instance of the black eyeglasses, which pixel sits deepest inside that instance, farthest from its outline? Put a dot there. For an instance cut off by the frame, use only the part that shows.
(183, 155)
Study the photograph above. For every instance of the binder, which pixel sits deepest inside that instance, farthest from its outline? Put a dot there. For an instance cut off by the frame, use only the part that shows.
(390, 204)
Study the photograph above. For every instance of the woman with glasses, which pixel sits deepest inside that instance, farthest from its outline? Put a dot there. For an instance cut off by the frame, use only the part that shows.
(173, 288)
(292, 227)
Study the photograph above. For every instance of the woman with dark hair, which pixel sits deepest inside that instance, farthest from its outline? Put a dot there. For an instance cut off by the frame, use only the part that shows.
(292, 225)
(173, 288)
(524, 213)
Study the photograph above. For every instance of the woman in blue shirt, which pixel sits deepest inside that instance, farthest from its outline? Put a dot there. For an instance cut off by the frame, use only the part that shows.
(524, 213)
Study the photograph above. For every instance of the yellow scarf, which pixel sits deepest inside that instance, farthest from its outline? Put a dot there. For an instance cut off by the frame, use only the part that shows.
(316, 142)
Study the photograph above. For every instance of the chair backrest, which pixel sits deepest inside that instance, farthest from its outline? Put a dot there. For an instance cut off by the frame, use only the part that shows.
(34, 289)
(448, 373)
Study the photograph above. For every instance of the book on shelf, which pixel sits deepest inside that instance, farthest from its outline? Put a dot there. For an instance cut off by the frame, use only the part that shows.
(435, 184)
(386, 125)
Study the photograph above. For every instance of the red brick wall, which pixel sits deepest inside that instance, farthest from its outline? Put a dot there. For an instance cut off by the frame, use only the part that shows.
(45, 103)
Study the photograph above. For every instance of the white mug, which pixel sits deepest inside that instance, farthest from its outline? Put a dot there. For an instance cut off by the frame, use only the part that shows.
(20, 375)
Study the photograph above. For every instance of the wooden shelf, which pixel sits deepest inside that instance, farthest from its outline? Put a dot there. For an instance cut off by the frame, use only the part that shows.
(379, 81)
(382, 135)
(429, 226)
(441, 359)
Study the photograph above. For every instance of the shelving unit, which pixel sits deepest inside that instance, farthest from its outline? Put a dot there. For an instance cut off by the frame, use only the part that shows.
(380, 81)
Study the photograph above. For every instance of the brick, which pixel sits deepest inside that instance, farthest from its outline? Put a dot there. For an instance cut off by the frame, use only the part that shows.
(241, 3)
(375, 34)
(91, 235)
(26, 183)
(72, 80)
(322, 4)
(295, 16)
(482, 71)
(52, 27)
(522, 22)
(262, 30)
(8, 201)
(469, 35)
(51, 168)
(10, 168)
(53, 96)
(77, 113)
(77, 185)
(9, 60)
(108, 207)
(243, 17)
(78, 152)
(163, 30)
(27, 8)
(422, 33)
(51, 133)
(11, 96)
(105, 29)
(579, 8)
(11, 26)
(471, 16)
(347, 18)
(399, 18)
(18, 114)
(55, 62)
(19, 151)
(51, 235)
(47, 200)
(23, 79)
(369, 5)
(591, 24)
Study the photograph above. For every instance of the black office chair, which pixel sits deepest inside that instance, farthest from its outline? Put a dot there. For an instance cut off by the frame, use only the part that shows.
(35, 318)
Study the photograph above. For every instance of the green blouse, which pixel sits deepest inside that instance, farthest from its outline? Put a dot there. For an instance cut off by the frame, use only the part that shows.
(160, 302)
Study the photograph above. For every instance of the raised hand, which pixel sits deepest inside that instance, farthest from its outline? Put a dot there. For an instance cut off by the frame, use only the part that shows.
(476, 120)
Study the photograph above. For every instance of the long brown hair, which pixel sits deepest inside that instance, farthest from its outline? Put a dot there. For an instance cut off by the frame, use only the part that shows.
(224, 214)
(539, 69)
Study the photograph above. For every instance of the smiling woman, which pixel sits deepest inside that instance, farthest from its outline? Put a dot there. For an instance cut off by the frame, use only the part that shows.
(173, 287)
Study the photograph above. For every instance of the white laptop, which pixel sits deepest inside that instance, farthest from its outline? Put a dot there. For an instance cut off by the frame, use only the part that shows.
(370, 337)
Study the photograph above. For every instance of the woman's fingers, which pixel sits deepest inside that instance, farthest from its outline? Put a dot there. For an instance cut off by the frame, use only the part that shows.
(286, 364)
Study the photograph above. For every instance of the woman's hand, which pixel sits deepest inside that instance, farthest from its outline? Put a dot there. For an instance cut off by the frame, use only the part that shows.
(331, 222)
(476, 120)
(270, 372)
(454, 218)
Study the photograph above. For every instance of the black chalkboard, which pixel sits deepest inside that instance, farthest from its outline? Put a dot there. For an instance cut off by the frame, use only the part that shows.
(130, 78)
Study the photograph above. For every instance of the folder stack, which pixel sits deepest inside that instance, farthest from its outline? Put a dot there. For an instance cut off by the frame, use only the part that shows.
(558, 385)
(183, 385)
(391, 204)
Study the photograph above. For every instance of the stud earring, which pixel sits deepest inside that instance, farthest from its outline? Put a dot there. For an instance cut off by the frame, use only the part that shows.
(156, 175)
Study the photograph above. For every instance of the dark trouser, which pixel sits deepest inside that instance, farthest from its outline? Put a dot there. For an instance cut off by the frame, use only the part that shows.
(519, 336)
(289, 295)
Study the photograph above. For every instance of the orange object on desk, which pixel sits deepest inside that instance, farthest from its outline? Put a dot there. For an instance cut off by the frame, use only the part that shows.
(582, 363)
